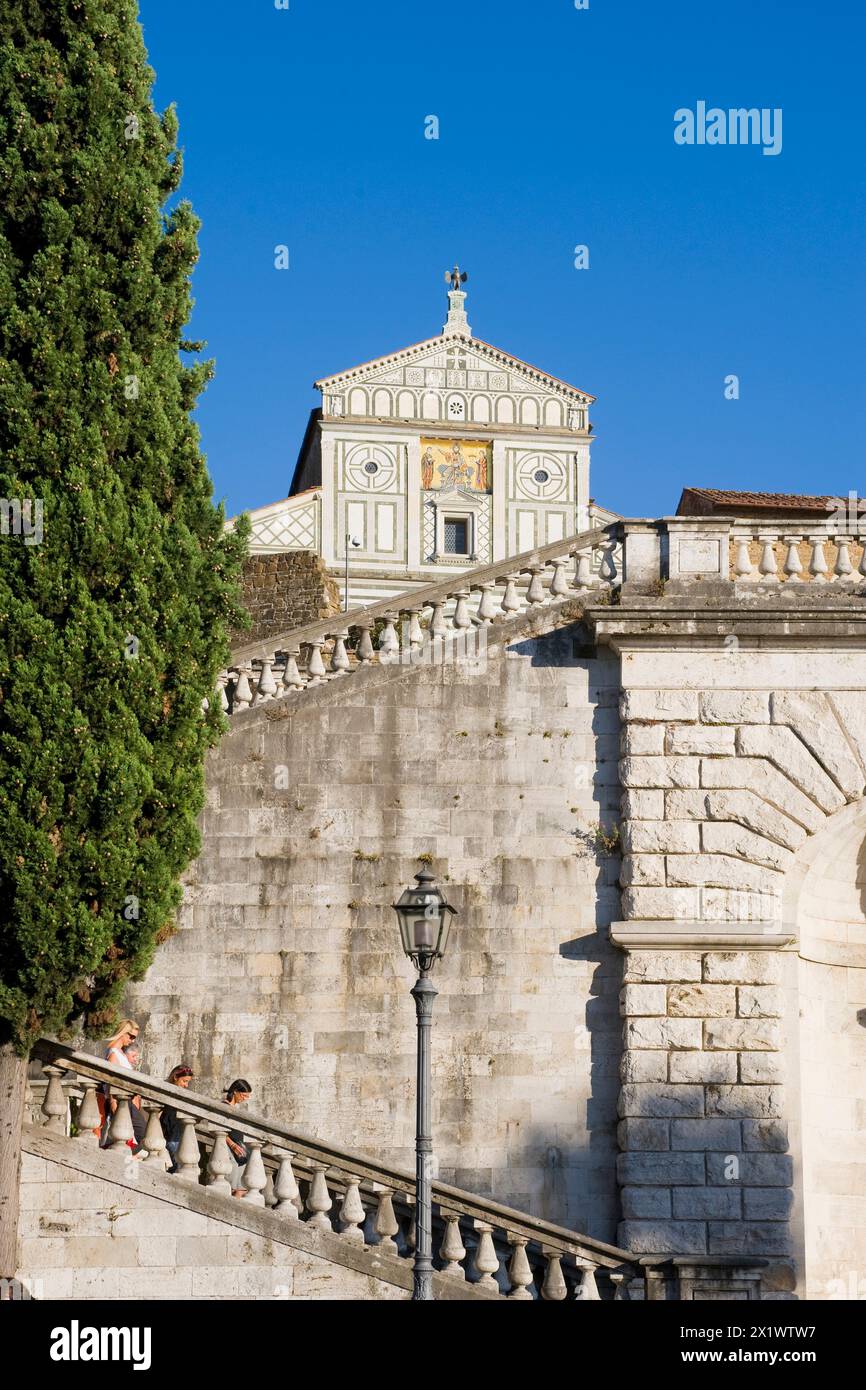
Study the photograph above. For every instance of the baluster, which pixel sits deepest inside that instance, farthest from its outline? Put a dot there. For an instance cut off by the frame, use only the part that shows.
(519, 1272)
(255, 1178)
(219, 1164)
(414, 631)
(743, 566)
(266, 687)
(535, 593)
(587, 1289)
(319, 1199)
(485, 1260)
(844, 570)
(187, 1158)
(554, 1289)
(438, 625)
(54, 1102)
(510, 600)
(268, 1193)
(559, 583)
(486, 606)
(452, 1248)
(793, 566)
(607, 571)
(389, 642)
(243, 696)
(340, 662)
(818, 563)
(315, 664)
(286, 1188)
(222, 697)
(767, 562)
(292, 678)
(386, 1224)
(88, 1119)
(153, 1143)
(461, 617)
(583, 577)
(409, 1199)
(365, 642)
(352, 1212)
(120, 1130)
(620, 1280)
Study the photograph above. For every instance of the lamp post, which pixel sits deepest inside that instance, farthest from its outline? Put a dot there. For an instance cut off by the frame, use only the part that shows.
(425, 920)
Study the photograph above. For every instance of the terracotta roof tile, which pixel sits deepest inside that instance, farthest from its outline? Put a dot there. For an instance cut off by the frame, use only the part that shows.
(709, 499)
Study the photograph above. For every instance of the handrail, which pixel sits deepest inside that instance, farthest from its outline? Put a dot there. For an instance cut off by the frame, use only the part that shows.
(207, 1112)
(424, 597)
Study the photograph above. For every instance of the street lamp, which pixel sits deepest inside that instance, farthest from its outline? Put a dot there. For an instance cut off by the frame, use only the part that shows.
(425, 920)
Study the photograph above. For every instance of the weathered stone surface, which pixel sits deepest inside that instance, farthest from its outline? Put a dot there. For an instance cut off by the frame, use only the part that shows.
(645, 1202)
(651, 1135)
(285, 590)
(718, 871)
(748, 1238)
(706, 1134)
(638, 739)
(657, 1100)
(659, 772)
(758, 775)
(715, 740)
(704, 1203)
(742, 967)
(761, 1067)
(769, 1135)
(660, 904)
(780, 746)
(767, 1203)
(643, 1066)
(662, 966)
(661, 1170)
(755, 1169)
(642, 804)
(759, 1001)
(753, 1035)
(702, 1001)
(746, 1102)
(662, 837)
(667, 1033)
(642, 868)
(664, 1237)
(703, 1066)
(735, 707)
(720, 837)
(809, 714)
(644, 1000)
(653, 706)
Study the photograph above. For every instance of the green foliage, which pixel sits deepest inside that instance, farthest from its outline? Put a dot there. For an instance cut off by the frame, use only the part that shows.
(102, 738)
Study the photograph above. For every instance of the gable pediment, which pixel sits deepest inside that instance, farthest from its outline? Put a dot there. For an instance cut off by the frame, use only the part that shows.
(452, 362)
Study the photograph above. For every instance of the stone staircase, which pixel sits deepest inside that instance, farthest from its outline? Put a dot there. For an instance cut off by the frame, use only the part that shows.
(317, 1221)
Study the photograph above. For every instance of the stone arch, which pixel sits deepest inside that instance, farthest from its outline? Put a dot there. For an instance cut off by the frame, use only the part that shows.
(381, 402)
(358, 401)
(479, 409)
(529, 411)
(553, 413)
(406, 405)
(504, 410)
(826, 900)
(431, 406)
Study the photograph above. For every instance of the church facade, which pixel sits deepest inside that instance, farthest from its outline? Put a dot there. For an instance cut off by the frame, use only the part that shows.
(442, 456)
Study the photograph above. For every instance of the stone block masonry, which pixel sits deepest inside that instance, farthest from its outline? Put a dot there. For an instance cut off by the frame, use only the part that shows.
(287, 967)
(285, 590)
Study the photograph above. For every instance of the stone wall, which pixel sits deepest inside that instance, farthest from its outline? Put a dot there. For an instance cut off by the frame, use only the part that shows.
(284, 591)
(287, 967)
(84, 1235)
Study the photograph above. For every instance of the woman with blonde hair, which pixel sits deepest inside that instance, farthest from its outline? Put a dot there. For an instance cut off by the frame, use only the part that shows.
(127, 1032)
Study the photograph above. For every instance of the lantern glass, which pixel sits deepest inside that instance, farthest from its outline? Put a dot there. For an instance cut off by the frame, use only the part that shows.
(424, 918)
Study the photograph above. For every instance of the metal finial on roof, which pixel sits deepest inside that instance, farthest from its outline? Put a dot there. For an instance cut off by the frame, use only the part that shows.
(456, 277)
(457, 321)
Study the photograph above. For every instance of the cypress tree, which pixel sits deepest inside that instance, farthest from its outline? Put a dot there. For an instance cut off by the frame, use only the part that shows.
(118, 584)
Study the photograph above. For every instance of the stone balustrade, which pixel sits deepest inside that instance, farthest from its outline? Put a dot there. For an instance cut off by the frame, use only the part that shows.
(442, 622)
(778, 554)
(512, 1254)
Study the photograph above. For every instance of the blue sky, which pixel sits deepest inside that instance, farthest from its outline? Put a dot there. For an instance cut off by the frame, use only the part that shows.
(306, 128)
